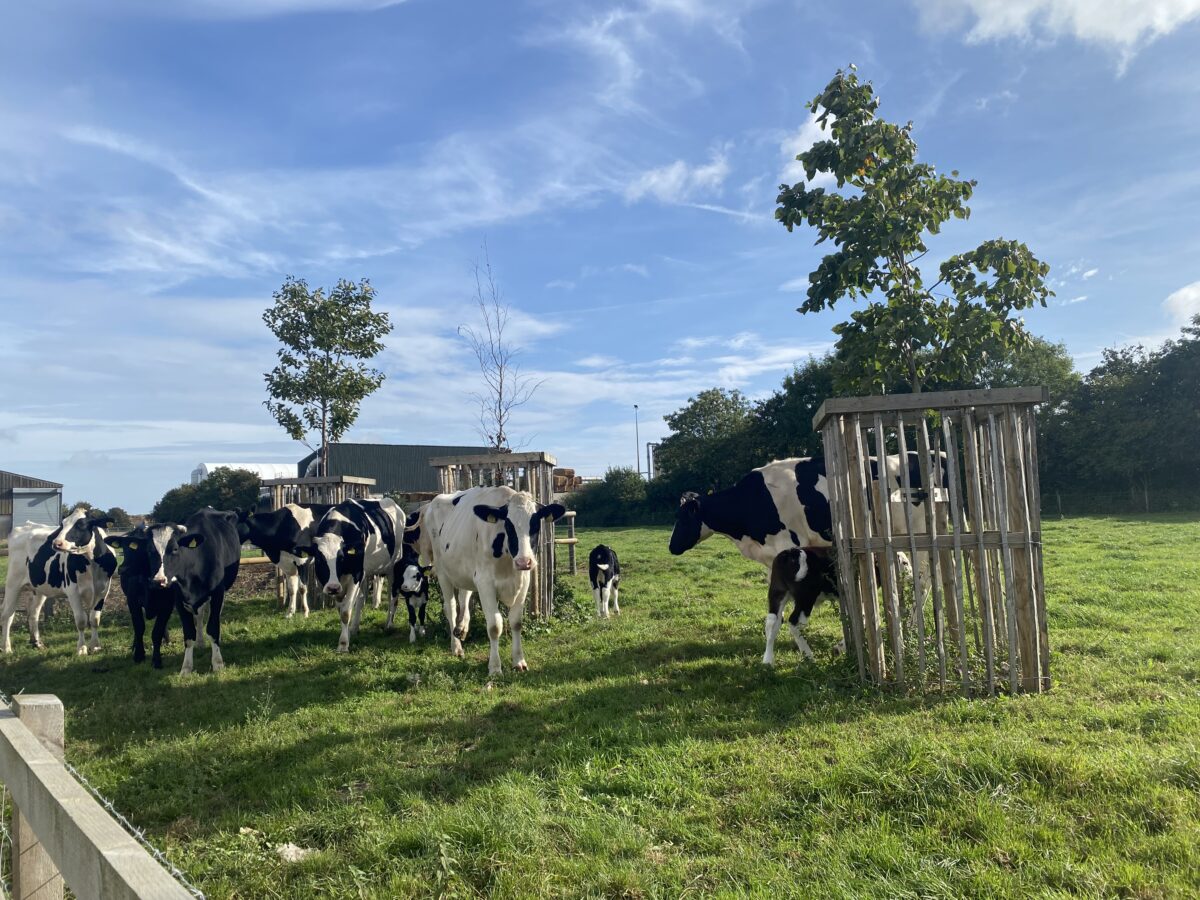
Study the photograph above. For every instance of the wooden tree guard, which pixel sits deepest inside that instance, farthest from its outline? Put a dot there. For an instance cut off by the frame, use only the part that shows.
(529, 472)
(974, 540)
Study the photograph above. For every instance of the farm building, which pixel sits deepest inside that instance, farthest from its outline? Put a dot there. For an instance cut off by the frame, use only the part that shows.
(26, 499)
(262, 470)
(395, 467)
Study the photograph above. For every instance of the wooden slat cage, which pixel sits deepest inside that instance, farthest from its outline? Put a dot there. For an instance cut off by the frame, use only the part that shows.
(966, 513)
(531, 472)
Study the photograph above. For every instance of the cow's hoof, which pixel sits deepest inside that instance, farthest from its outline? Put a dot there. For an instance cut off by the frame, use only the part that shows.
(412, 637)
(81, 651)
(458, 651)
(139, 657)
(522, 666)
(499, 670)
(218, 667)
(421, 631)
(769, 663)
(157, 663)
(289, 614)
(95, 648)
(343, 648)
(186, 670)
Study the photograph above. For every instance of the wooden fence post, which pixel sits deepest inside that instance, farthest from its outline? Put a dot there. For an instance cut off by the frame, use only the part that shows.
(35, 877)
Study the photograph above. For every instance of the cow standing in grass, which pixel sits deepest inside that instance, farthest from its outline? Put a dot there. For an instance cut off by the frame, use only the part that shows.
(69, 561)
(604, 572)
(483, 540)
(354, 542)
(188, 568)
(281, 534)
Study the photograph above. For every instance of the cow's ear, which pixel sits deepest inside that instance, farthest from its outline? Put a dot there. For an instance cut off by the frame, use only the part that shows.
(426, 569)
(553, 512)
(353, 549)
(191, 541)
(304, 552)
(116, 540)
(100, 521)
(491, 514)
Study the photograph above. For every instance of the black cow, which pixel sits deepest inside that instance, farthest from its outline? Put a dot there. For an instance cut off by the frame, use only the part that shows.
(280, 535)
(604, 571)
(802, 575)
(188, 569)
(410, 580)
(69, 561)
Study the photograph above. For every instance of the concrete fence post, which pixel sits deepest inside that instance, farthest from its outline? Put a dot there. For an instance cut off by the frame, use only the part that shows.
(35, 877)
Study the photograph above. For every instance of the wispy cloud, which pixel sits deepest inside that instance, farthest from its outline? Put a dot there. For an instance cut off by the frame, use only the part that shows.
(795, 285)
(679, 181)
(1073, 300)
(1090, 273)
(799, 142)
(1184, 303)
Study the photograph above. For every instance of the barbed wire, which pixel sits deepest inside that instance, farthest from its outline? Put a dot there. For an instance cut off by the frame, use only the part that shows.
(136, 833)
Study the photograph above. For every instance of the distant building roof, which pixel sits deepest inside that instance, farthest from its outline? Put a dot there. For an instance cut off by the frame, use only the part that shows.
(12, 479)
(262, 470)
(395, 467)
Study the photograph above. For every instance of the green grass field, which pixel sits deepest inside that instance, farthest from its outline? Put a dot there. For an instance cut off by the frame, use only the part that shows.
(652, 756)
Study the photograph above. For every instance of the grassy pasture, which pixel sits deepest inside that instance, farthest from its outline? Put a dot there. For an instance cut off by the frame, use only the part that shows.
(652, 756)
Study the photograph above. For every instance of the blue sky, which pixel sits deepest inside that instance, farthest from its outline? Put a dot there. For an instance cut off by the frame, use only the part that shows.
(163, 166)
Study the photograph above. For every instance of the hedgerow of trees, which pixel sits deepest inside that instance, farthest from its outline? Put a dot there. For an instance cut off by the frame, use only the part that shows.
(223, 489)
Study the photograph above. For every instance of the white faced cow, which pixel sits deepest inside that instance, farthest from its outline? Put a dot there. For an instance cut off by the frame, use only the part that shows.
(354, 542)
(483, 540)
(69, 561)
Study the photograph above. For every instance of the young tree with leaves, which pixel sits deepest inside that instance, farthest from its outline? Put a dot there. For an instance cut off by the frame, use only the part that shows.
(920, 334)
(506, 387)
(321, 378)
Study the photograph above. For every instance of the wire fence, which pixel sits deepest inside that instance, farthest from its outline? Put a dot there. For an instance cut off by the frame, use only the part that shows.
(1060, 504)
(6, 843)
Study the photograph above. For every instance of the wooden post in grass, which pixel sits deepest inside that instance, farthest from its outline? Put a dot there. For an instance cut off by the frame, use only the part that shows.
(972, 526)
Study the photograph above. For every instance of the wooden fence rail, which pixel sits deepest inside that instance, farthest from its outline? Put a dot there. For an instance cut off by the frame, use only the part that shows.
(60, 833)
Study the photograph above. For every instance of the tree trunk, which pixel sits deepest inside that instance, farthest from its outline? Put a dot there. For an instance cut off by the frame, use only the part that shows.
(324, 443)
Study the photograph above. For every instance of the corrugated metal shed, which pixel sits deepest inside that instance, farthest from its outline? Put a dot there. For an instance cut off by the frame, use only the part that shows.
(36, 491)
(395, 467)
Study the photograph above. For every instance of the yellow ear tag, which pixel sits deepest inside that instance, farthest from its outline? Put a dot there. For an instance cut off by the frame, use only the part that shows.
(192, 544)
(133, 545)
(302, 554)
(351, 552)
(491, 520)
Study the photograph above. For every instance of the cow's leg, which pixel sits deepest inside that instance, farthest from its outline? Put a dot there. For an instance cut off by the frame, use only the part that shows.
(464, 614)
(495, 625)
(391, 616)
(188, 620)
(410, 602)
(138, 615)
(214, 628)
(159, 632)
(346, 601)
(82, 617)
(34, 613)
(202, 614)
(450, 610)
(614, 587)
(291, 588)
(94, 621)
(11, 596)
(421, 614)
(601, 604)
(360, 602)
(776, 600)
(516, 616)
(302, 590)
(798, 621)
(378, 592)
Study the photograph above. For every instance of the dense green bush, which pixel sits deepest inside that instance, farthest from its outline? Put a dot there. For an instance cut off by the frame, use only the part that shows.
(223, 489)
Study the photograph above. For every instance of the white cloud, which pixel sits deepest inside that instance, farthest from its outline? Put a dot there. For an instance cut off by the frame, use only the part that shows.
(255, 9)
(1184, 303)
(1125, 25)
(678, 181)
(1090, 273)
(560, 284)
(1080, 299)
(798, 142)
(795, 285)
(599, 361)
(1004, 97)
(636, 269)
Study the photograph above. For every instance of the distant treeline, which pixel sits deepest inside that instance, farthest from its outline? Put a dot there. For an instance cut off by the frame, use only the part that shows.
(1122, 438)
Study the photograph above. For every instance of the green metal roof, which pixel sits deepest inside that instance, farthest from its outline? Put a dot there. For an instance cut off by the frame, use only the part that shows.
(395, 467)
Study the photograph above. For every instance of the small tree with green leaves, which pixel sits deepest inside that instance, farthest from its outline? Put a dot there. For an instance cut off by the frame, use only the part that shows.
(321, 378)
(886, 205)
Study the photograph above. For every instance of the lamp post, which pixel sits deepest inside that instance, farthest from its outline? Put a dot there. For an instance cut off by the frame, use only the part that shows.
(637, 443)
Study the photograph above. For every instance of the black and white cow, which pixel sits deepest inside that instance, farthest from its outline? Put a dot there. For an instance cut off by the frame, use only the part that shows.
(188, 568)
(280, 535)
(410, 580)
(354, 542)
(69, 561)
(483, 540)
(802, 575)
(604, 571)
(778, 507)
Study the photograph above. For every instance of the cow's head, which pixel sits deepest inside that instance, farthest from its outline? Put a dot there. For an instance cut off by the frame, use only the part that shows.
(78, 531)
(689, 527)
(157, 551)
(518, 524)
(410, 577)
(338, 555)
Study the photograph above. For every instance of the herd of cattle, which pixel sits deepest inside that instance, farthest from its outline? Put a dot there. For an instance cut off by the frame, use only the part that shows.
(478, 541)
